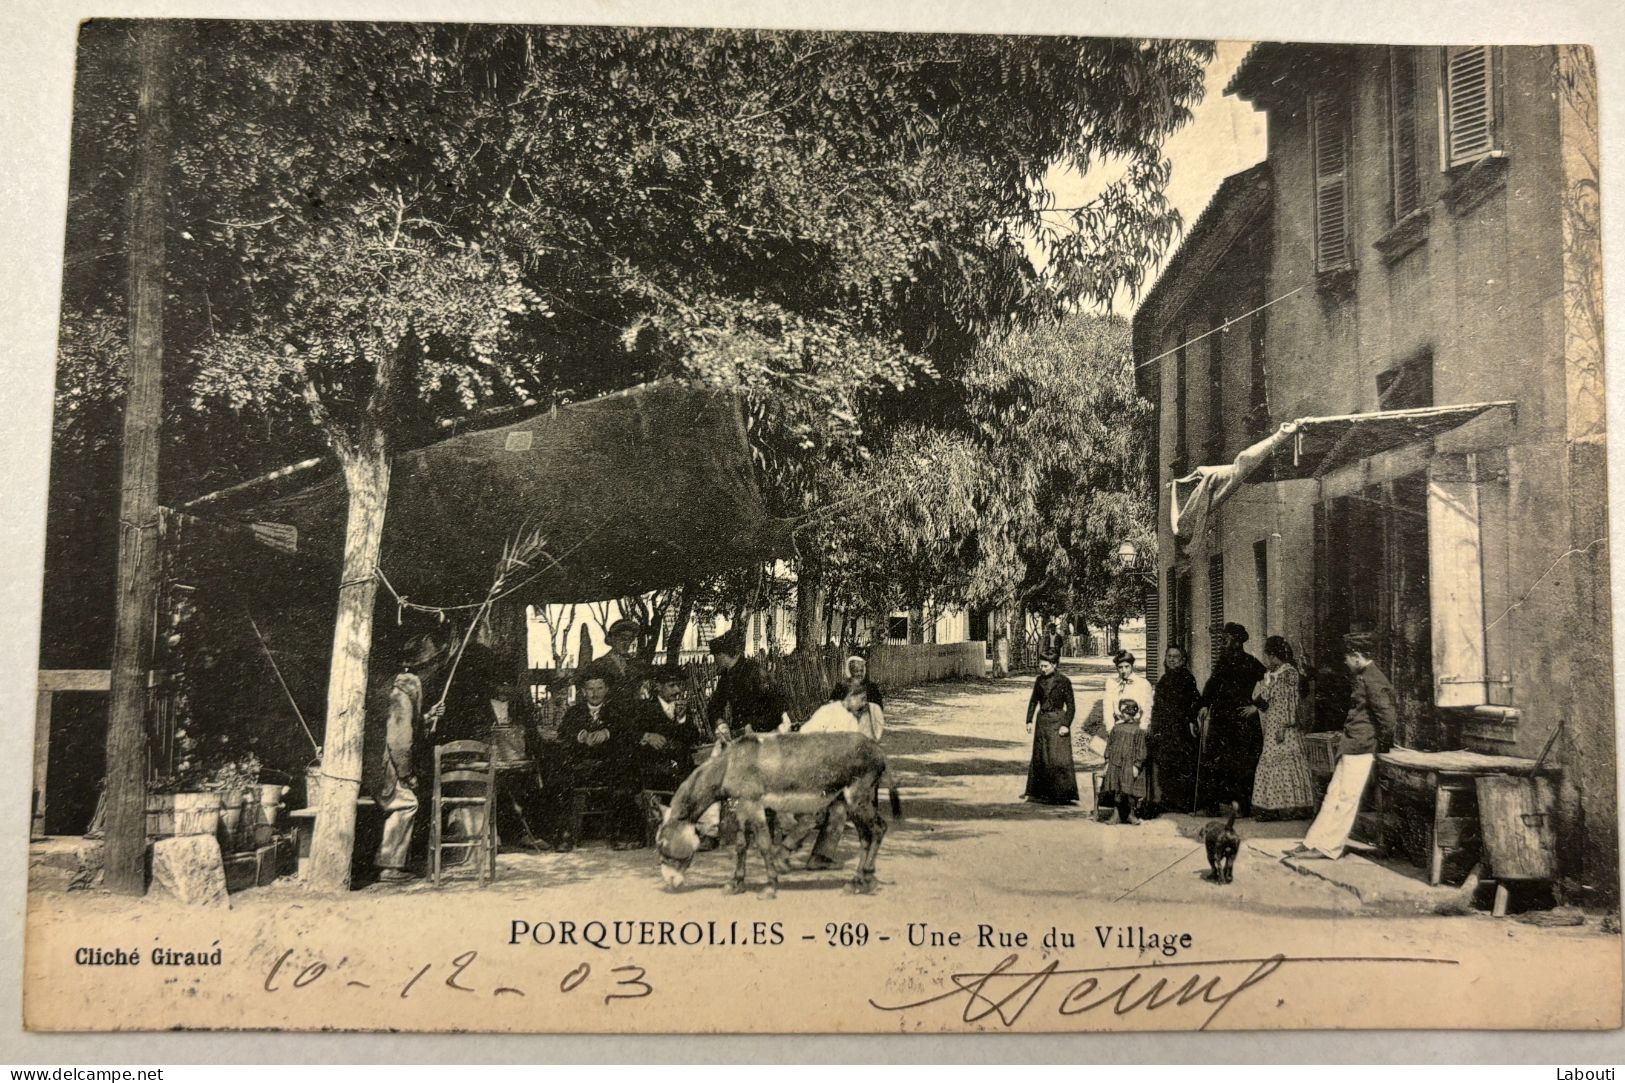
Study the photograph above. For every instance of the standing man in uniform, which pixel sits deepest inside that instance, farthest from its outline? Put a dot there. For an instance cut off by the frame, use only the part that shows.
(627, 674)
(743, 701)
(1368, 728)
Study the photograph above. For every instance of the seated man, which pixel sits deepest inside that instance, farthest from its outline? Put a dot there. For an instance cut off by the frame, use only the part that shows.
(496, 716)
(514, 746)
(663, 733)
(595, 752)
(852, 713)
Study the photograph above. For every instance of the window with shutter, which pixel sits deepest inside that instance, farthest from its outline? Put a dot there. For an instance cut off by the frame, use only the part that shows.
(1215, 601)
(1258, 398)
(1402, 128)
(1179, 612)
(1469, 104)
(1328, 116)
(1153, 634)
(1261, 583)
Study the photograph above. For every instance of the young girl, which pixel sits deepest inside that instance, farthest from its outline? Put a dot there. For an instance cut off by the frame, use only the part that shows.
(1124, 783)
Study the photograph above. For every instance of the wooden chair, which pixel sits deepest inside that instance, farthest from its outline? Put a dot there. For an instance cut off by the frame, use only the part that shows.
(464, 778)
(591, 805)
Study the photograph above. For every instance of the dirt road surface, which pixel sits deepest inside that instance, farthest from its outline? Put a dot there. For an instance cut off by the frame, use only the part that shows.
(993, 915)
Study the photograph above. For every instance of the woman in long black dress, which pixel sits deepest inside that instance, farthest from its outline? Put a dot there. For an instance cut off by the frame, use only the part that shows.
(1173, 735)
(1050, 779)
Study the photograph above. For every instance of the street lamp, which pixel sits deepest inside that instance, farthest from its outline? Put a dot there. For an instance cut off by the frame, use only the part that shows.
(1136, 564)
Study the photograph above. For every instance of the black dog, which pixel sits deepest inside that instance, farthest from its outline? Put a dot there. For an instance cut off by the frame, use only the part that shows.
(1222, 845)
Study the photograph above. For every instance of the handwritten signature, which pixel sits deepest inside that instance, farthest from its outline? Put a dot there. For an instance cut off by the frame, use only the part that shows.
(1007, 992)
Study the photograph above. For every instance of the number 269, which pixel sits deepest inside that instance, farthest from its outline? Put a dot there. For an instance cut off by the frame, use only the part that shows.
(847, 934)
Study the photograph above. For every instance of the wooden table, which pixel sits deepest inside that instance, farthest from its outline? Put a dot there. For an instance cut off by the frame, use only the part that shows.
(302, 821)
(1451, 778)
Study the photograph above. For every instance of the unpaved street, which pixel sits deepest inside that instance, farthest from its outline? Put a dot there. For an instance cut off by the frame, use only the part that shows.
(968, 858)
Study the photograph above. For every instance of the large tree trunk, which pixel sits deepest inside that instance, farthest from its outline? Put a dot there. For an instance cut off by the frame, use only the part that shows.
(125, 850)
(366, 476)
(809, 604)
(679, 626)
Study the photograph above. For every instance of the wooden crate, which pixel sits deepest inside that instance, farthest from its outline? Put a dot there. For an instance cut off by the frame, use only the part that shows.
(1322, 752)
(1518, 816)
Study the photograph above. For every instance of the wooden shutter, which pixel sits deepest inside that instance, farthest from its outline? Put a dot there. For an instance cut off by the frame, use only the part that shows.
(1179, 613)
(1215, 603)
(1153, 634)
(1469, 104)
(1329, 123)
(1258, 394)
(1402, 98)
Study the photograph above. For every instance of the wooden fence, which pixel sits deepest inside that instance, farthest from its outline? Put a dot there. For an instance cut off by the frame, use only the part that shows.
(921, 663)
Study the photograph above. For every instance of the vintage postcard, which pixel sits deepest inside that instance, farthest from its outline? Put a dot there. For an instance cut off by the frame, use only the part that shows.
(617, 529)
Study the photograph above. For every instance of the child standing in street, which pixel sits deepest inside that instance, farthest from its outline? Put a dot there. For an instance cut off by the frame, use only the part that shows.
(1124, 784)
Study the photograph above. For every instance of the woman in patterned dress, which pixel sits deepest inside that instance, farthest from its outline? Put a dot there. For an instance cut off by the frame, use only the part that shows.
(1282, 789)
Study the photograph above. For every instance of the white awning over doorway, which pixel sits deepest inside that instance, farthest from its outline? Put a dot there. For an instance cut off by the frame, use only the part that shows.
(1307, 448)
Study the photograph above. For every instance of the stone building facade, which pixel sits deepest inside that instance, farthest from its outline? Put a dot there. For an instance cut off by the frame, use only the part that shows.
(1410, 282)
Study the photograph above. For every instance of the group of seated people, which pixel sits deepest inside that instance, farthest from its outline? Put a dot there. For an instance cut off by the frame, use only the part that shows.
(630, 738)
(632, 735)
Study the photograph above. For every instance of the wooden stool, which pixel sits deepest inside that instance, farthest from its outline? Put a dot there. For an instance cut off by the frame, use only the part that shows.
(589, 803)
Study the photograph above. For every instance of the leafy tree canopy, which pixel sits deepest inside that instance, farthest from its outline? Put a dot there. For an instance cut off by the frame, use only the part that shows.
(1024, 507)
(469, 215)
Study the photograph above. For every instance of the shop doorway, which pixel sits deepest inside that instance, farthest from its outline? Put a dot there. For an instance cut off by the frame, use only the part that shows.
(1374, 578)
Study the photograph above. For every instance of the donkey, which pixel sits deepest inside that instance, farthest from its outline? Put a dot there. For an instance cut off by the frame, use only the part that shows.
(796, 773)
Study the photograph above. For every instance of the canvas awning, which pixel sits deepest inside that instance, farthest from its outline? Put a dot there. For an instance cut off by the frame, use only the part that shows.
(634, 491)
(1311, 447)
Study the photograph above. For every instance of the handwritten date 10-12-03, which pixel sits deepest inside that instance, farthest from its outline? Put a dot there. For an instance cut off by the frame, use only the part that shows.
(623, 983)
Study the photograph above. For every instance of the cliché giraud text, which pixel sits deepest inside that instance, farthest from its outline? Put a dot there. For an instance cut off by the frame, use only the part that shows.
(157, 956)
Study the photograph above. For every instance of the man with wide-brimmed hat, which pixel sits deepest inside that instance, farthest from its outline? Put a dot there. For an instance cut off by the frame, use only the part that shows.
(396, 722)
(1366, 729)
(743, 702)
(1232, 736)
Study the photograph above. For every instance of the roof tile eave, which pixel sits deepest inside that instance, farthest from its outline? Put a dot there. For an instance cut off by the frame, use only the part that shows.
(1230, 194)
